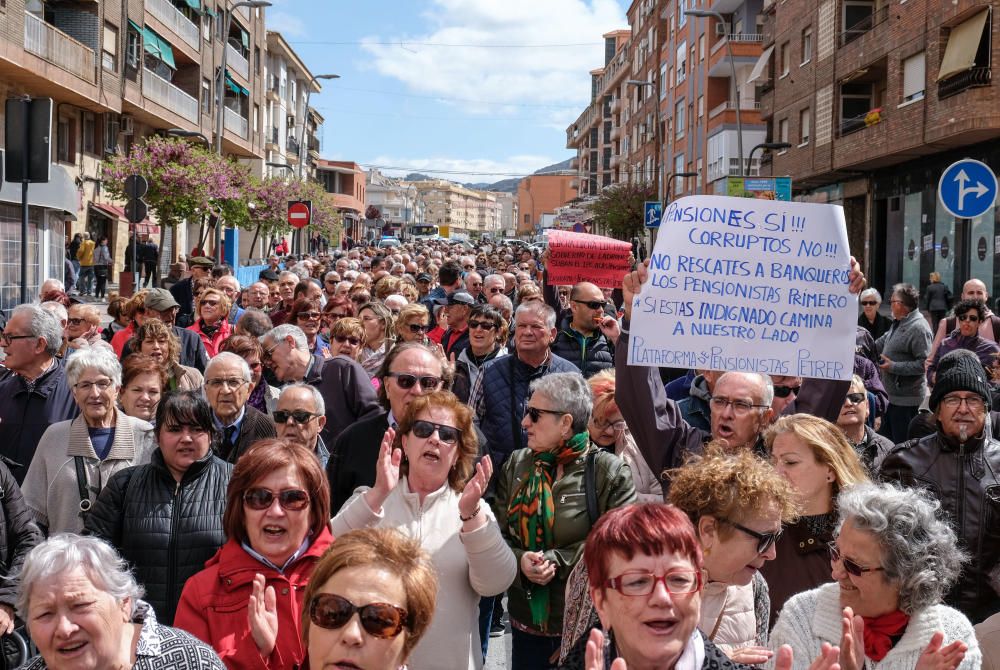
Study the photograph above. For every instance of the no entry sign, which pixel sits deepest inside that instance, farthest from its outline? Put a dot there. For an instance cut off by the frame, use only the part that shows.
(299, 213)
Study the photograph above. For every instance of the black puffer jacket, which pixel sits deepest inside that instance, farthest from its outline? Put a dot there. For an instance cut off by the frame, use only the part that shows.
(165, 530)
(18, 535)
(590, 354)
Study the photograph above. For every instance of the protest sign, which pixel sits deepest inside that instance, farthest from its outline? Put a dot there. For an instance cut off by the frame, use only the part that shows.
(577, 257)
(748, 285)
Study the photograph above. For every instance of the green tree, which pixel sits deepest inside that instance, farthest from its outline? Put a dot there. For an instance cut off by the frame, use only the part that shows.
(620, 208)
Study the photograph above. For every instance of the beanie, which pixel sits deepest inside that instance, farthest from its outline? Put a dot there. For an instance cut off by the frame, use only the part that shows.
(959, 370)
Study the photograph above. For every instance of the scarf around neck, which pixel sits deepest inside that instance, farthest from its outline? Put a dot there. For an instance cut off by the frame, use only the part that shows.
(880, 630)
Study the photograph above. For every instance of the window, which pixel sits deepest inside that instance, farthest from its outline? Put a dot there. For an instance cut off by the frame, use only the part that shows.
(132, 47)
(914, 75)
(66, 141)
(89, 133)
(804, 125)
(111, 133)
(701, 47)
(206, 96)
(681, 62)
(256, 60)
(679, 181)
(206, 27)
(256, 119)
(109, 48)
(783, 59)
(783, 130)
(679, 118)
(697, 180)
(664, 82)
(701, 106)
(807, 45)
(681, 16)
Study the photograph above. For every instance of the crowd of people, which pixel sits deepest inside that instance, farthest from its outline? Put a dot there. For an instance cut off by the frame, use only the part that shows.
(435, 438)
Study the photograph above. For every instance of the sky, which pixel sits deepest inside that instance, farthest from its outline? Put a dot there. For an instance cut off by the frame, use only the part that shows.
(481, 88)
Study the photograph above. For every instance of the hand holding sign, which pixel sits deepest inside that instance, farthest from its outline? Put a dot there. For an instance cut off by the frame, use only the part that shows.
(576, 257)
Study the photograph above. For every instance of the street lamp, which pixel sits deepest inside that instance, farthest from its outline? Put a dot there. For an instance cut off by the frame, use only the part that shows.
(180, 132)
(282, 166)
(770, 146)
(706, 13)
(220, 93)
(674, 175)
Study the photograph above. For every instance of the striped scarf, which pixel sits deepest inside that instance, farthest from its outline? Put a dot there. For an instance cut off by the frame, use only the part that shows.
(531, 512)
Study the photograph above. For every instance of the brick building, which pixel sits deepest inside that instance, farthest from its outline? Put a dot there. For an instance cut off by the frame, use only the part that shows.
(541, 194)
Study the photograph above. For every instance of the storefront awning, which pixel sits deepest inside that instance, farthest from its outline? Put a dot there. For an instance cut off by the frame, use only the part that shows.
(235, 87)
(146, 227)
(58, 193)
(758, 68)
(963, 43)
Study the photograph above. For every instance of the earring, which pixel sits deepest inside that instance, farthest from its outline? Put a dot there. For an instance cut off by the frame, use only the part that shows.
(706, 552)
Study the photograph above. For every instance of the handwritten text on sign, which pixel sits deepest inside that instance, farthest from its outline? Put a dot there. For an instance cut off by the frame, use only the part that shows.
(577, 257)
(748, 285)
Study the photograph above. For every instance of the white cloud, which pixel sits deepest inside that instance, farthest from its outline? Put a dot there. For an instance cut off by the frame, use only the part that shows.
(505, 79)
(465, 170)
(289, 26)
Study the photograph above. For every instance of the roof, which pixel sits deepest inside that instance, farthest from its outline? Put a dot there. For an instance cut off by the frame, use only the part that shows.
(277, 43)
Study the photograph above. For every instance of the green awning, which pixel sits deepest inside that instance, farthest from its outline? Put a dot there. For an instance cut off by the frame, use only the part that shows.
(158, 47)
(194, 4)
(210, 12)
(233, 86)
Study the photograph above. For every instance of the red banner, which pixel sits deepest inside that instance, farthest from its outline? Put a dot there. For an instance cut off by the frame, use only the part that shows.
(577, 257)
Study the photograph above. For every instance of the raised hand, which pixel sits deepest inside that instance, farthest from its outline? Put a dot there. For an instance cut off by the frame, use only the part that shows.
(632, 286)
(386, 471)
(473, 492)
(594, 657)
(827, 659)
(938, 657)
(856, 276)
(611, 328)
(852, 641)
(262, 615)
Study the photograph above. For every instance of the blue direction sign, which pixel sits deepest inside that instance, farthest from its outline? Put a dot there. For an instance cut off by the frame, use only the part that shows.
(967, 189)
(652, 212)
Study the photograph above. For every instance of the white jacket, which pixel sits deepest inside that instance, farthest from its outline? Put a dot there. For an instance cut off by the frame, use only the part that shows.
(811, 618)
(648, 487)
(468, 565)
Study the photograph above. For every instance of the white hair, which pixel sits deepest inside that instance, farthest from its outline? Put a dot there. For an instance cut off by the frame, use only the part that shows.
(94, 358)
(279, 333)
(317, 397)
(44, 324)
(230, 357)
(57, 309)
(229, 277)
(395, 300)
(51, 284)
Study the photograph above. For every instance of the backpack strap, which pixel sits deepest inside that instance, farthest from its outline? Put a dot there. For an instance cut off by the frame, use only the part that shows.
(590, 487)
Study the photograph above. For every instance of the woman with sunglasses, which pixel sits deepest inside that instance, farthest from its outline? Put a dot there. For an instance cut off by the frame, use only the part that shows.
(247, 600)
(347, 338)
(212, 323)
(412, 323)
(388, 581)
(487, 340)
(307, 314)
(427, 485)
(968, 314)
(893, 562)
(336, 308)
(853, 422)
(870, 319)
(165, 517)
(818, 462)
(379, 328)
(545, 507)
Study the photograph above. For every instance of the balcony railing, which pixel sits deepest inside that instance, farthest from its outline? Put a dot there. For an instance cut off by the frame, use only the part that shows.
(312, 144)
(58, 48)
(292, 145)
(235, 123)
(864, 25)
(236, 62)
(272, 138)
(165, 94)
(173, 18)
(862, 121)
(737, 38)
(972, 78)
(730, 105)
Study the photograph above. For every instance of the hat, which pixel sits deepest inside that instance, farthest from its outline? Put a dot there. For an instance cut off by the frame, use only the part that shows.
(959, 370)
(423, 276)
(201, 261)
(268, 275)
(160, 299)
(459, 298)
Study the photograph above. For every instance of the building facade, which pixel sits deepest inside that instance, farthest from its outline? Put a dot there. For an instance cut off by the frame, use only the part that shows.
(345, 181)
(458, 211)
(398, 202)
(539, 195)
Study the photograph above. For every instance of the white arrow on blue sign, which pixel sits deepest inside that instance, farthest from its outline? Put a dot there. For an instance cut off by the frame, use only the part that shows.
(967, 189)
(651, 213)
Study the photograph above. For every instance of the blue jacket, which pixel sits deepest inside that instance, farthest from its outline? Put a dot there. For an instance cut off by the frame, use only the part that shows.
(25, 415)
(694, 407)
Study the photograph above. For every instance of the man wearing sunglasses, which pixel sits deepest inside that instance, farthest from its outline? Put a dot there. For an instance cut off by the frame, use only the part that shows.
(300, 417)
(579, 339)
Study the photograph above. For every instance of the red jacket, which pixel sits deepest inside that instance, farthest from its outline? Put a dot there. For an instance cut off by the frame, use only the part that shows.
(213, 343)
(213, 606)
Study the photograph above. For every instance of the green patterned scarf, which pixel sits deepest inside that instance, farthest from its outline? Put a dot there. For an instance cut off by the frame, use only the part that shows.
(531, 512)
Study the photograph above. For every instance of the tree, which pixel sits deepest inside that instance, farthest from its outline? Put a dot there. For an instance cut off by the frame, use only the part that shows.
(619, 208)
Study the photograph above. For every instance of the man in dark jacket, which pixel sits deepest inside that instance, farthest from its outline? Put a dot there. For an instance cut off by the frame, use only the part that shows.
(960, 465)
(227, 387)
(37, 396)
(695, 407)
(287, 355)
(579, 339)
(458, 308)
(201, 268)
(18, 536)
(149, 254)
(160, 304)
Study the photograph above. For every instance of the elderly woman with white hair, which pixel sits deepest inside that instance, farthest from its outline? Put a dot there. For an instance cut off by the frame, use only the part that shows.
(75, 459)
(870, 319)
(83, 609)
(893, 562)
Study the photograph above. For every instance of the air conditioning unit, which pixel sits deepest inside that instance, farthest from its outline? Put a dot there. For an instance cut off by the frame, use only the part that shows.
(721, 29)
(127, 125)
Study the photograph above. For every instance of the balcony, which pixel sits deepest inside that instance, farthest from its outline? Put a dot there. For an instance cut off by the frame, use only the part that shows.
(738, 38)
(574, 163)
(312, 145)
(272, 139)
(168, 96)
(860, 122)
(292, 147)
(236, 62)
(730, 105)
(173, 18)
(861, 27)
(56, 47)
(274, 88)
(235, 123)
(972, 78)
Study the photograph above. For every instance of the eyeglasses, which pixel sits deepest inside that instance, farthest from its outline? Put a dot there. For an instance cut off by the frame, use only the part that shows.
(102, 385)
(210, 303)
(850, 566)
(592, 304)
(740, 407)
(469, 267)
(975, 403)
(638, 583)
(968, 317)
(535, 413)
(869, 303)
(308, 316)
(764, 540)
(421, 327)
(75, 321)
(382, 620)
(602, 425)
(354, 342)
(785, 391)
(496, 289)
(424, 429)
(855, 398)
(484, 325)
(6, 339)
(361, 299)
(293, 500)
(229, 382)
(300, 416)
(266, 358)
(406, 381)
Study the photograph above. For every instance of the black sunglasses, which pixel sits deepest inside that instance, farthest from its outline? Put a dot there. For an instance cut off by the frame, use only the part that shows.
(968, 317)
(485, 325)
(535, 413)
(868, 303)
(592, 304)
(785, 391)
(855, 398)
(293, 500)
(344, 338)
(406, 381)
(764, 540)
(850, 566)
(418, 328)
(382, 620)
(424, 429)
(300, 416)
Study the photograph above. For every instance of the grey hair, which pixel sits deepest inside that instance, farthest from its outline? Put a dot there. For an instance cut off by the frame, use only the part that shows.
(766, 385)
(53, 284)
(57, 309)
(63, 553)
(231, 278)
(570, 393)
(506, 303)
(93, 358)
(300, 271)
(492, 279)
(316, 395)
(919, 550)
(279, 333)
(284, 273)
(228, 356)
(539, 309)
(871, 293)
(908, 295)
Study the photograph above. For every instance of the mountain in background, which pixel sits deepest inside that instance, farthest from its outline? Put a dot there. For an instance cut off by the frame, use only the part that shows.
(504, 185)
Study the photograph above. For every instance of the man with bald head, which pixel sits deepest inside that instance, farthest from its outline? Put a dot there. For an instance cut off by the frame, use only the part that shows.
(989, 328)
(579, 339)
